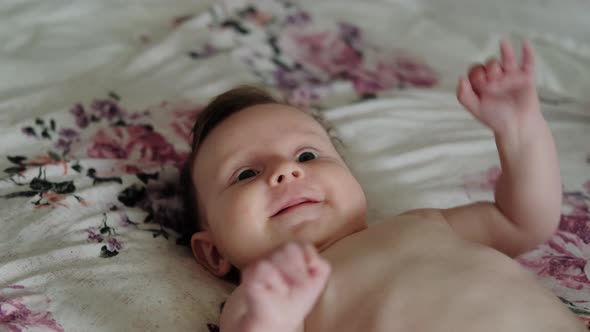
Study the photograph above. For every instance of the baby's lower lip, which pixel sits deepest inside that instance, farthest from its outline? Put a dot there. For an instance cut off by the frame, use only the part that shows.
(294, 207)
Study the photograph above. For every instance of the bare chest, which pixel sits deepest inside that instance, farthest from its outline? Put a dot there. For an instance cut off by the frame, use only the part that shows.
(418, 276)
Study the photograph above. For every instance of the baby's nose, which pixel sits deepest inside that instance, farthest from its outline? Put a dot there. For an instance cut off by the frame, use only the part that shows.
(285, 173)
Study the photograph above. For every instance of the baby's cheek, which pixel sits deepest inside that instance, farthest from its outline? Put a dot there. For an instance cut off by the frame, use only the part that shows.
(245, 236)
(246, 209)
(349, 194)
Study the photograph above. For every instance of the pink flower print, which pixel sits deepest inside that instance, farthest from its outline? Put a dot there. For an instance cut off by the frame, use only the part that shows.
(80, 115)
(133, 143)
(370, 83)
(300, 18)
(391, 73)
(288, 80)
(107, 109)
(114, 244)
(349, 32)
(413, 73)
(341, 58)
(303, 96)
(575, 217)
(183, 121)
(68, 133)
(106, 146)
(23, 313)
(383, 77)
(94, 235)
(325, 51)
(562, 260)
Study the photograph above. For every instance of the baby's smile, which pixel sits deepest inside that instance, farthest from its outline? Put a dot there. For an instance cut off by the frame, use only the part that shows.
(295, 195)
(295, 204)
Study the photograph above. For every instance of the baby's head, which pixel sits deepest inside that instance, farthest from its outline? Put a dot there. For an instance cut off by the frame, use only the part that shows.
(262, 173)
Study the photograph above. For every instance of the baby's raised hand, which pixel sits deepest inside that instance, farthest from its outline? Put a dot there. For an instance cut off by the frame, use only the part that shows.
(501, 95)
(282, 289)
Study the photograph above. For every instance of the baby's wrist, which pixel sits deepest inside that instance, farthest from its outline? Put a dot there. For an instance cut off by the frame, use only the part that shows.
(530, 130)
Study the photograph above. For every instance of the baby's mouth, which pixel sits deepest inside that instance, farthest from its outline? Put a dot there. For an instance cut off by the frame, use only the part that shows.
(293, 205)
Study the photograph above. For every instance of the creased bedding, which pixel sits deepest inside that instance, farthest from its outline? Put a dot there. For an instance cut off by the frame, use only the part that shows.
(97, 100)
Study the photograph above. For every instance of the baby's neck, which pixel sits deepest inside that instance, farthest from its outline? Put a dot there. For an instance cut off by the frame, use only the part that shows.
(324, 246)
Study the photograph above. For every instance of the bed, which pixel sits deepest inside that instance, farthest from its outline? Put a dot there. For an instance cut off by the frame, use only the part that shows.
(97, 100)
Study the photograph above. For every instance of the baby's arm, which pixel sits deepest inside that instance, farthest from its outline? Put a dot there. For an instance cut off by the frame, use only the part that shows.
(277, 293)
(502, 96)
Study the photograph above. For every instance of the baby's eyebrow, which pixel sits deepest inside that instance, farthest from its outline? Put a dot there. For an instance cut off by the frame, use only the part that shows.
(313, 134)
(229, 162)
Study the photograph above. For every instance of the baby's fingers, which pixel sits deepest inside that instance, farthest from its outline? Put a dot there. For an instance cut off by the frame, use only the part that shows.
(493, 70)
(317, 267)
(509, 62)
(264, 276)
(289, 260)
(467, 96)
(528, 57)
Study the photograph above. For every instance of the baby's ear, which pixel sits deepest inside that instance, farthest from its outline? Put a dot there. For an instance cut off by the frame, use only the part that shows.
(207, 255)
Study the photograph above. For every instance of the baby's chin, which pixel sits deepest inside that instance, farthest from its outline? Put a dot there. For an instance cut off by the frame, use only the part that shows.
(322, 233)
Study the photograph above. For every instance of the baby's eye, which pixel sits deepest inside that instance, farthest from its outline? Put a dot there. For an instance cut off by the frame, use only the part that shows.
(306, 156)
(246, 174)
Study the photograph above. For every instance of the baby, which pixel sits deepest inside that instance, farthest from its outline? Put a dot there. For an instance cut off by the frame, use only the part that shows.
(273, 198)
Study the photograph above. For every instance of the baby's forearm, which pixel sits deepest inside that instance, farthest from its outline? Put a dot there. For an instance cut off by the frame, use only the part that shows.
(529, 190)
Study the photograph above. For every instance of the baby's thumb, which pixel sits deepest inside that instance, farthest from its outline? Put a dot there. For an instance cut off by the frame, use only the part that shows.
(466, 96)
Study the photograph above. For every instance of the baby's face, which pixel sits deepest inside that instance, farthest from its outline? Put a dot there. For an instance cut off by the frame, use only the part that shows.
(270, 174)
